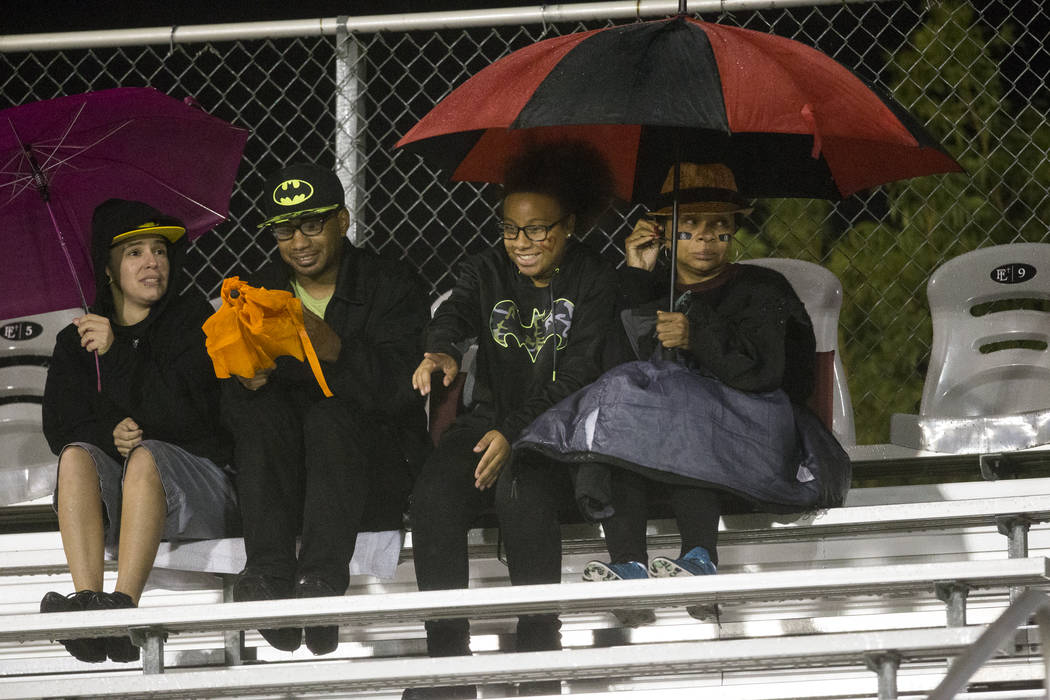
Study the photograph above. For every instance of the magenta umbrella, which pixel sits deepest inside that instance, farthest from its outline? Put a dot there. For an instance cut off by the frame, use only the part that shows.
(60, 158)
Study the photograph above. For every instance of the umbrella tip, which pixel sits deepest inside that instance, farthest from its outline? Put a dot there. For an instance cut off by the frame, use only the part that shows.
(681, 7)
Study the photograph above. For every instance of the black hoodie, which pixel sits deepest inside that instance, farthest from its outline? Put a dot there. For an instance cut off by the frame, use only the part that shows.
(156, 372)
(528, 357)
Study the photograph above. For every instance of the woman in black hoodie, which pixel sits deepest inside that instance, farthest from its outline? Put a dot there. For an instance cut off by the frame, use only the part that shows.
(539, 306)
(130, 407)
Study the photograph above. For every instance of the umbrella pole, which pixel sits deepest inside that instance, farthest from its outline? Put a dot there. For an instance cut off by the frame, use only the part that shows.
(65, 251)
(40, 183)
(674, 233)
(73, 270)
(41, 186)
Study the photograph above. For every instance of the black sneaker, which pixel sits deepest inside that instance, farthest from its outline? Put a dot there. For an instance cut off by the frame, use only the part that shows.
(319, 640)
(119, 649)
(261, 587)
(89, 650)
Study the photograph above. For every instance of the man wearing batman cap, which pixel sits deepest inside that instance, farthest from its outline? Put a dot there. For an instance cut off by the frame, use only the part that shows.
(325, 468)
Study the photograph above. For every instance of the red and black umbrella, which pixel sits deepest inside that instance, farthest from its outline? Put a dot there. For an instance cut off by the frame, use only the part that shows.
(787, 119)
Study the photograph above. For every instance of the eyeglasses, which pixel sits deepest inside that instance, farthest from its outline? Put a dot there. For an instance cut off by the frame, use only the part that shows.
(311, 226)
(534, 232)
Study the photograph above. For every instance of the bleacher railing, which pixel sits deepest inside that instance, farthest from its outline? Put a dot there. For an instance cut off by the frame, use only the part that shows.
(999, 634)
(342, 90)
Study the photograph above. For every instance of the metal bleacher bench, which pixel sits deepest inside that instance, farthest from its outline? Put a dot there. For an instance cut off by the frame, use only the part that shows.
(1009, 504)
(377, 675)
(1012, 505)
(150, 626)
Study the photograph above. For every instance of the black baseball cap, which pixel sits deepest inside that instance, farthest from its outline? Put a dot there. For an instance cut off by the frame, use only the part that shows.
(116, 220)
(298, 190)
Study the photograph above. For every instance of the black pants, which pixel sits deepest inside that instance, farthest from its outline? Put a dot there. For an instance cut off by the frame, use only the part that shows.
(528, 497)
(696, 511)
(308, 464)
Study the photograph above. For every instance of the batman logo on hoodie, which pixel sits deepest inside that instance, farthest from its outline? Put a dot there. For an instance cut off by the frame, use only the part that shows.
(505, 324)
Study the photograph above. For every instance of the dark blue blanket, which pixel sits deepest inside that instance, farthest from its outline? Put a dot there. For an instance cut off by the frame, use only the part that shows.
(676, 425)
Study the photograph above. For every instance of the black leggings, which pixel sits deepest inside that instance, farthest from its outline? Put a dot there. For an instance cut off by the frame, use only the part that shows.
(445, 505)
(696, 510)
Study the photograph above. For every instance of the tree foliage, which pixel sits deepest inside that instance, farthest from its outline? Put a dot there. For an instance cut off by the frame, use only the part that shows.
(949, 78)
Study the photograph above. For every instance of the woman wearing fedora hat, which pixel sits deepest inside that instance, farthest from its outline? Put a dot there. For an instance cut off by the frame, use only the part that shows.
(707, 403)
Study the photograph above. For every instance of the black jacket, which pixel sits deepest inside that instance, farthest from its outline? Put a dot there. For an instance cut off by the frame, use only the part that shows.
(528, 357)
(156, 372)
(747, 327)
(378, 309)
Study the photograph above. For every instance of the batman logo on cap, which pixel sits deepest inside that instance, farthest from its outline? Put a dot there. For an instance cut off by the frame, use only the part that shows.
(292, 192)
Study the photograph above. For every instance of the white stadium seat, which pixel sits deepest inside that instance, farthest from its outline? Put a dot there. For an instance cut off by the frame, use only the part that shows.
(821, 292)
(987, 388)
(27, 466)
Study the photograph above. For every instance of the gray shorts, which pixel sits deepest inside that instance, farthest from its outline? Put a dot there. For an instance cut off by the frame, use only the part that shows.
(201, 499)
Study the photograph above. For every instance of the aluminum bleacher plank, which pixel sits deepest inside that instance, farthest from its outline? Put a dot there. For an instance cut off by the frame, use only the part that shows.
(689, 657)
(40, 561)
(900, 516)
(492, 602)
(879, 510)
(891, 457)
(764, 527)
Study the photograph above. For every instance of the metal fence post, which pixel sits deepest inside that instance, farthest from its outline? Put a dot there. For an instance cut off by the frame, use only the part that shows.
(349, 134)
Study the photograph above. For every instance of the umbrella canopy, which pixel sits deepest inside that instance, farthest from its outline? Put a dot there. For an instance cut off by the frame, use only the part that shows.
(787, 119)
(253, 327)
(60, 158)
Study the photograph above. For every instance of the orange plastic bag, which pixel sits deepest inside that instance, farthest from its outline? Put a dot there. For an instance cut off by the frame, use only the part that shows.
(253, 327)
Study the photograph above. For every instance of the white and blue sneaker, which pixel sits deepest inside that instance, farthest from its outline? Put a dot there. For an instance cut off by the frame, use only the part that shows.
(695, 562)
(600, 571)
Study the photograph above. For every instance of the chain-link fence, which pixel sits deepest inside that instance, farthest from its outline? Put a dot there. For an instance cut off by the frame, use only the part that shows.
(975, 74)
